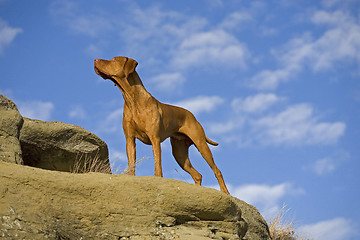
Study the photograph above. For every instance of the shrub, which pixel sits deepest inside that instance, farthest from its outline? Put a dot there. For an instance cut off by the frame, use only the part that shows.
(85, 163)
(282, 229)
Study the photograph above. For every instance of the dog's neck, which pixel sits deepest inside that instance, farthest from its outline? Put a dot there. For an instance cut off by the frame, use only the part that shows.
(133, 90)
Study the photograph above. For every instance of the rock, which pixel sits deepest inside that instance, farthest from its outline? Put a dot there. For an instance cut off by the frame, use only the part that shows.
(10, 125)
(41, 204)
(60, 146)
(257, 226)
(48, 145)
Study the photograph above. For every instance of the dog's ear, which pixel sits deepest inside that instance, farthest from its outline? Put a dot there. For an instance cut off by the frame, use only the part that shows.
(130, 66)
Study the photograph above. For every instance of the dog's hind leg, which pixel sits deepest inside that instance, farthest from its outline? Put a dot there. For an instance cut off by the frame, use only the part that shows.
(207, 155)
(201, 145)
(196, 133)
(180, 150)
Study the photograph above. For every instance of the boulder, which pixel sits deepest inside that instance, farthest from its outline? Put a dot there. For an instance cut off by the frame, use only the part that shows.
(257, 226)
(62, 147)
(41, 204)
(10, 125)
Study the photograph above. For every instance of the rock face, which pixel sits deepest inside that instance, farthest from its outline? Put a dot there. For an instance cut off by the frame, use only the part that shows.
(57, 146)
(41, 204)
(10, 125)
(48, 145)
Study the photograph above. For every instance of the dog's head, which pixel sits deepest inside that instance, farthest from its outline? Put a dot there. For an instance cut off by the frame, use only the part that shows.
(116, 68)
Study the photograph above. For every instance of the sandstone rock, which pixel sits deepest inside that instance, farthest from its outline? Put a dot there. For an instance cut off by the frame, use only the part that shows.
(41, 204)
(58, 146)
(10, 125)
(257, 226)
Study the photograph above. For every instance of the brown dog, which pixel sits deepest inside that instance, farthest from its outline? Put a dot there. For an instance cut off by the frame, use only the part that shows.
(151, 121)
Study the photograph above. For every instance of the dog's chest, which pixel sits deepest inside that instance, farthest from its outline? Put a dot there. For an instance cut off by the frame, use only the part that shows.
(143, 137)
(143, 120)
(139, 129)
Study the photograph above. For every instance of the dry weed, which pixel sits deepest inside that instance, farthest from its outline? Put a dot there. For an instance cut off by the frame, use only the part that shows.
(85, 163)
(126, 171)
(282, 229)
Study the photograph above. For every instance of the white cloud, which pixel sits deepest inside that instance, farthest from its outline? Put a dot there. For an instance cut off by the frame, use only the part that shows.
(270, 79)
(184, 38)
(338, 3)
(117, 156)
(36, 109)
(268, 31)
(339, 43)
(200, 104)
(93, 50)
(252, 104)
(214, 3)
(334, 18)
(168, 81)
(112, 122)
(118, 161)
(77, 112)
(7, 34)
(328, 164)
(150, 32)
(236, 20)
(7, 93)
(257, 103)
(324, 166)
(298, 126)
(329, 3)
(334, 229)
(221, 128)
(166, 39)
(213, 47)
(147, 23)
(91, 24)
(268, 199)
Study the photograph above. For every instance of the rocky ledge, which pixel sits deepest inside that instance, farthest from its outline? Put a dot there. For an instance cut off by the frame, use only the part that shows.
(44, 204)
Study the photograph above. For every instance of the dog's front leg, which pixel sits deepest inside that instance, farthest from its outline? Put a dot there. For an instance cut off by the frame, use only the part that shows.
(131, 154)
(155, 142)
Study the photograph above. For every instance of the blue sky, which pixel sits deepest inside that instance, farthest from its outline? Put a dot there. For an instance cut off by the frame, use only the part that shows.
(276, 83)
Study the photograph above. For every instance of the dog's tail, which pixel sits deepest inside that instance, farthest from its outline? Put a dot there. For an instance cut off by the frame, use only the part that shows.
(211, 142)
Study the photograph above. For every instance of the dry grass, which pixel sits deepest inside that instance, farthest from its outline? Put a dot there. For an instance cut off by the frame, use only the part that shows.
(85, 163)
(283, 229)
(126, 171)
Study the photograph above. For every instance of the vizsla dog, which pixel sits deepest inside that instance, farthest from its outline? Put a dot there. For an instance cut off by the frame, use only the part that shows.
(151, 121)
